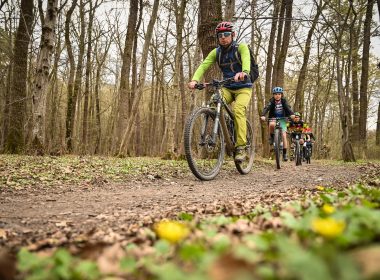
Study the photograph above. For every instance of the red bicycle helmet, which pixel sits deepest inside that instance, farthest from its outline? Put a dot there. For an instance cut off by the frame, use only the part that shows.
(224, 26)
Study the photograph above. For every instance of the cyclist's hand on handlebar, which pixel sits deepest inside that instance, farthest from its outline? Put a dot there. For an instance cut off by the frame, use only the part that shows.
(241, 76)
(192, 84)
(262, 118)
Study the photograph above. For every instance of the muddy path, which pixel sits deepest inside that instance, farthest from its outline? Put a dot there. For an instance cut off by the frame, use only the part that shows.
(108, 211)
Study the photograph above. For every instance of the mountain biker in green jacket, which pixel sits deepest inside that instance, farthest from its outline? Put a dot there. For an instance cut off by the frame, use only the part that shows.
(241, 90)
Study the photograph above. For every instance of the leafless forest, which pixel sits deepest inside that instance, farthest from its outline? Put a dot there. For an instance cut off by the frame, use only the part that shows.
(109, 77)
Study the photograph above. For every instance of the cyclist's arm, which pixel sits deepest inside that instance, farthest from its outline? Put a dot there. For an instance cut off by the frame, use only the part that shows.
(266, 109)
(245, 58)
(287, 108)
(209, 60)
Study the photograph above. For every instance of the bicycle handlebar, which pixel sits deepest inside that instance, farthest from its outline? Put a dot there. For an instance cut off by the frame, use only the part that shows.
(278, 118)
(215, 83)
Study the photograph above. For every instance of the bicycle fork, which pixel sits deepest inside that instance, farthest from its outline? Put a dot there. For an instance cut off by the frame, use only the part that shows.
(214, 131)
(216, 124)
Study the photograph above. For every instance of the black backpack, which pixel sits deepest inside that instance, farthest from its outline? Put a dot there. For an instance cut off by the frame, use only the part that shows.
(253, 72)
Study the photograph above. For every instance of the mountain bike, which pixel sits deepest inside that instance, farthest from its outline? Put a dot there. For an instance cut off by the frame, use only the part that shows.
(278, 143)
(210, 133)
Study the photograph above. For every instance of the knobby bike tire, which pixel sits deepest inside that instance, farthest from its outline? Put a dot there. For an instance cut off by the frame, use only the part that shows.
(246, 166)
(277, 148)
(298, 154)
(308, 155)
(204, 159)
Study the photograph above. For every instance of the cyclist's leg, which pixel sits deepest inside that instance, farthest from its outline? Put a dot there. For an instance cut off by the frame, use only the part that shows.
(242, 98)
(284, 138)
(302, 146)
(284, 129)
(227, 95)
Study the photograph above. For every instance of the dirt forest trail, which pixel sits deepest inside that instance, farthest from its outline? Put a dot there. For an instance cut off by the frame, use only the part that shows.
(110, 211)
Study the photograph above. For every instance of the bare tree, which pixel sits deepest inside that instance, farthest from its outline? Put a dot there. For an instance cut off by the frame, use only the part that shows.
(179, 88)
(378, 127)
(71, 99)
(140, 87)
(300, 95)
(347, 151)
(268, 76)
(130, 38)
(364, 75)
(42, 75)
(280, 65)
(15, 138)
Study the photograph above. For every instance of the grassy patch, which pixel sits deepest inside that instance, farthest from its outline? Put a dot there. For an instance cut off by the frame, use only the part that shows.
(22, 171)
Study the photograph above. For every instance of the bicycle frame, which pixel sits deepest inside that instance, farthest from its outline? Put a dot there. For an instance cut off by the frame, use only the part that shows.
(217, 99)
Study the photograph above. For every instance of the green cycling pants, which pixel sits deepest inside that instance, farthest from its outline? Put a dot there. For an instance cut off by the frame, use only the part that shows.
(241, 96)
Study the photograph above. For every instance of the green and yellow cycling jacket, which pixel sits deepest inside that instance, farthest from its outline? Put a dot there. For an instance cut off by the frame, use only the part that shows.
(231, 62)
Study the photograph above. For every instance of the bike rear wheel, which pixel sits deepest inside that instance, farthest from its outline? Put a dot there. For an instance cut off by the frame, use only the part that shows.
(277, 147)
(203, 154)
(245, 167)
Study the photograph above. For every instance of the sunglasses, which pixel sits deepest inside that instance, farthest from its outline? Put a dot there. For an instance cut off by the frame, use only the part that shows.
(277, 93)
(224, 34)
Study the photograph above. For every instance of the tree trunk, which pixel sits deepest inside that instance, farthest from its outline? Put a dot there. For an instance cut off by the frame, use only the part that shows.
(87, 86)
(123, 107)
(179, 84)
(210, 16)
(268, 78)
(71, 101)
(364, 77)
(15, 138)
(285, 43)
(278, 41)
(347, 151)
(140, 87)
(354, 38)
(230, 10)
(79, 68)
(378, 127)
(42, 76)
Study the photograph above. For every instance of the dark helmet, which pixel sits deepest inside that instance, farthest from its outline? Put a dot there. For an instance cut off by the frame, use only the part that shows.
(224, 26)
(278, 90)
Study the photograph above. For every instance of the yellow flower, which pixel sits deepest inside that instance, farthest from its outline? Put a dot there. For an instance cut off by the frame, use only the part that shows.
(171, 231)
(328, 227)
(328, 209)
(320, 188)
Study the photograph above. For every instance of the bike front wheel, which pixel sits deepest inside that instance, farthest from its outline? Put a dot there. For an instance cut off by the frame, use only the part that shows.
(277, 147)
(307, 155)
(245, 167)
(298, 158)
(204, 151)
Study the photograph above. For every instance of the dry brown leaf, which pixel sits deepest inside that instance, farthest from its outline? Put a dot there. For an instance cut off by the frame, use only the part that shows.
(368, 260)
(61, 224)
(3, 234)
(108, 262)
(227, 267)
(7, 265)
